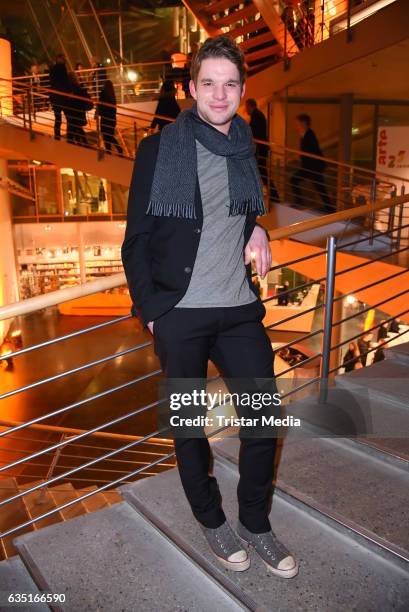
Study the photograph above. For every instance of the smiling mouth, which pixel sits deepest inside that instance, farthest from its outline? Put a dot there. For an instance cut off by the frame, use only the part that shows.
(218, 108)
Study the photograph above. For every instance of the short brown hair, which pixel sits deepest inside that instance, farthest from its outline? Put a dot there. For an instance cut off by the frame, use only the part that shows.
(219, 46)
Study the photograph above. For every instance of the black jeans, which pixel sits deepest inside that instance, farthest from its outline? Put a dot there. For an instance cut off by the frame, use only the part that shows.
(235, 340)
(317, 180)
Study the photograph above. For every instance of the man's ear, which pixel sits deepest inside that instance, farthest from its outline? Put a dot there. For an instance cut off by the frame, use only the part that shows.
(243, 89)
(192, 89)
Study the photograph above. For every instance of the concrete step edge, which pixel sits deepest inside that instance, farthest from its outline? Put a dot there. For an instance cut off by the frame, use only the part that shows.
(365, 445)
(35, 573)
(346, 382)
(361, 535)
(238, 595)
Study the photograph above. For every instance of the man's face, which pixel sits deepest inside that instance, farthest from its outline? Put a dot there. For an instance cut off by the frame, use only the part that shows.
(300, 127)
(217, 92)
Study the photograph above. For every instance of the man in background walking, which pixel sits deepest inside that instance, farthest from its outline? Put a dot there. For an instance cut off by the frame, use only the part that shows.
(311, 168)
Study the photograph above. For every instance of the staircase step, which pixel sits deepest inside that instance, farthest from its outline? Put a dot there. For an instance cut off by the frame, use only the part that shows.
(336, 571)
(14, 578)
(257, 40)
(385, 381)
(94, 502)
(113, 497)
(218, 6)
(346, 482)
(398, 354)
(350, 414)
(64, 493)
(235, 16)
(270, 51)
(115, 560)
(247, 28)
(12, 514)
(39, 502)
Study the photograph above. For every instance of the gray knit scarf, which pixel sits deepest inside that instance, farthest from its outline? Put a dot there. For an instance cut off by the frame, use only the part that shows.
(174, 181)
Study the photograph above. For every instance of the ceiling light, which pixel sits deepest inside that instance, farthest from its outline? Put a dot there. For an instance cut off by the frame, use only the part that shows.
(132, 76)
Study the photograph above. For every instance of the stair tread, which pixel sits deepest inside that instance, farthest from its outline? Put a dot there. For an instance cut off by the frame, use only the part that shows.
(218, 6)
(94, 502)
(270, 51)
(247, 28)
(63, 494)
(398, 353)
(356, 499)
(113, 497)
(320, 549)
(348, 413)
(14, 578)
(12, 514)
(36, 508)
(235, 16)
(135, 561)
(385, 378)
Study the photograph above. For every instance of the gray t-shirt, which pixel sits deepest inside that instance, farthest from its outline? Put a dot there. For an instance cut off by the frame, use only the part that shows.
(219, 274)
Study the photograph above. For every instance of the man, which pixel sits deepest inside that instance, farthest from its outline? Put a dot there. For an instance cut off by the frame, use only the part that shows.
(194, 198)
(59, 82)
(311, 168)
(258, 125)
(382, 330)
(379, 353)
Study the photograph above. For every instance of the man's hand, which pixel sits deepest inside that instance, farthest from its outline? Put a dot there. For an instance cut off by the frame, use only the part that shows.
(150, 327)
(260, 247)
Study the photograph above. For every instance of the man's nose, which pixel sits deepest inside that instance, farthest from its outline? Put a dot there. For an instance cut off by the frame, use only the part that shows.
(219, 92)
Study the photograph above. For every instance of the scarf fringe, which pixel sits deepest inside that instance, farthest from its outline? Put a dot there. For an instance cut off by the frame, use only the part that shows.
(243, 207)
(167, 209)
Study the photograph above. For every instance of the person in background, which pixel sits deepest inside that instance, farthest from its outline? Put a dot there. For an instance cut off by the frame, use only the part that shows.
(167, 105)
(194, 46)
(351, 357)
(106, 111)
(77, 112)
(311, 169)
(282, 300)
(382, 330)
(81, 76)
(97, 77)
(35, 84)
(258, 125)
(364, 346)
(379, 353)
(394, 326)
(59, 82)
(6, 348)
(35, 76)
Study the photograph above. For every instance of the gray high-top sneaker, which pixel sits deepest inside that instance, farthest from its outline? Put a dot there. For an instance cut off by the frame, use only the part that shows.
(226, 546)
(274, 554)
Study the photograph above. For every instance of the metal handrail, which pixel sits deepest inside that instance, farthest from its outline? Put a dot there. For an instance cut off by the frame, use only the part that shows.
(72, 430)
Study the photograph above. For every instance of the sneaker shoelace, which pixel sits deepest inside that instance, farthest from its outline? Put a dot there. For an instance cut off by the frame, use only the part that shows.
(272, 541)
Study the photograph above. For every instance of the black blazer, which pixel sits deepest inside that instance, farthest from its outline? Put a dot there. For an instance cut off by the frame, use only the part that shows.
(158, 253)
(309, 144)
